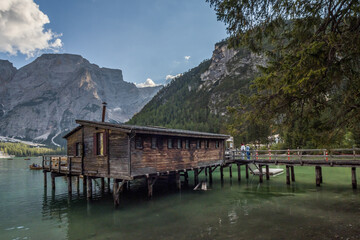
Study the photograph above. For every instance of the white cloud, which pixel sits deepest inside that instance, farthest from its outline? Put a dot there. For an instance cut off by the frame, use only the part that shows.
(171, 77)
(147, 83)
(187, 58)
(22, 28)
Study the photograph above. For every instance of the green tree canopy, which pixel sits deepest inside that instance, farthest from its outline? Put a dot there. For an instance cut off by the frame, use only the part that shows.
(309, 90)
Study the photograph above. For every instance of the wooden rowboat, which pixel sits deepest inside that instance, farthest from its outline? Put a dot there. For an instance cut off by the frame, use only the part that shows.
(36, 167)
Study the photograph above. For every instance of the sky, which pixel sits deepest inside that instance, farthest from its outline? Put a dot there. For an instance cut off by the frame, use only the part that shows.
(146, 39)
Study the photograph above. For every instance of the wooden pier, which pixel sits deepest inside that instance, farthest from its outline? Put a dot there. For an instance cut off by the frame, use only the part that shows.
(124, 153)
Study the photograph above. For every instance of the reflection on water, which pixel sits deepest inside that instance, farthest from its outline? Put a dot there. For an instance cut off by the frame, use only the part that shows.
(232, 210)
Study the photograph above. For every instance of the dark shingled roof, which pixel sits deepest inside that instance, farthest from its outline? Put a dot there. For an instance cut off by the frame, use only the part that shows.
(148, 130)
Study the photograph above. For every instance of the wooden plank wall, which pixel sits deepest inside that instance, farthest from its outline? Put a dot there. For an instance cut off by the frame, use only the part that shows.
(149, 160)
(71, 149)
(96, 165)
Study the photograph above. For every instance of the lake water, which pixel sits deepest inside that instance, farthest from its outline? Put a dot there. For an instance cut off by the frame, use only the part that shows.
(245, 210)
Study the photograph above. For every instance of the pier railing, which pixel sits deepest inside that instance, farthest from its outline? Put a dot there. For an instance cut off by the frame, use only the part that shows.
(343, 156)
(62, 164)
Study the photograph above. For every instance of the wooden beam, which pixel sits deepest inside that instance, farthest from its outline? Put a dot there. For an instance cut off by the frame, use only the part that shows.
(222, 173)
(317, 173)
(69, 183)
(45, 178)
(260, 174)
(353, 176)
(210, 175)
(196, 176)
(108, 185)
(292, 173)
(116, 195)
(230, 171)
(108, 151)
(53, 181)
(178, 181)
(78, 184)
(320, 172)
(247, 171)
(239, 172)
(84, 184)
(287, 174)
(89, 187)
(102, 185)
(267, 172)
(83, 149)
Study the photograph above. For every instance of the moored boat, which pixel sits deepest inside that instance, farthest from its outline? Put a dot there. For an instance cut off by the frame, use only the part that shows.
(35, 166)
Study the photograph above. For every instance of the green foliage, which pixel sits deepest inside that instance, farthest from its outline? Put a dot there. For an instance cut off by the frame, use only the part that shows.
(23, 150)
(309, 92)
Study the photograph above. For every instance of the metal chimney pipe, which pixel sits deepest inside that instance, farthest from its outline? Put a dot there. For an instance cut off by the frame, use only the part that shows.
(103, 112)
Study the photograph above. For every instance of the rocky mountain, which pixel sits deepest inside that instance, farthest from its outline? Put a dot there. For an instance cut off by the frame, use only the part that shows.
(41, 100)
(198, 99)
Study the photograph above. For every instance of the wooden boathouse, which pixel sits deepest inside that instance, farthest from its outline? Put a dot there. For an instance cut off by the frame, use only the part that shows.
(127, 152)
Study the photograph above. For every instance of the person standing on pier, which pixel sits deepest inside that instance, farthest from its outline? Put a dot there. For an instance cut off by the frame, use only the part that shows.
(242, 149)
(248, 152)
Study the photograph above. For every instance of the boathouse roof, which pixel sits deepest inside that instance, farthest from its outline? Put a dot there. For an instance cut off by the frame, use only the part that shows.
(146, 130)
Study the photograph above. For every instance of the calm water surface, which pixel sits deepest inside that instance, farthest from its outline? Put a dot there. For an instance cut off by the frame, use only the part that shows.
(245, 210)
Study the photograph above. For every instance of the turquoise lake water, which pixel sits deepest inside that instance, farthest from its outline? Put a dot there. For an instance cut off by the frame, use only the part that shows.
(232, 210)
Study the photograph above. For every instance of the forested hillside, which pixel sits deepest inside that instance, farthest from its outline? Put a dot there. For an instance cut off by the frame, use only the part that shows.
(200, 98)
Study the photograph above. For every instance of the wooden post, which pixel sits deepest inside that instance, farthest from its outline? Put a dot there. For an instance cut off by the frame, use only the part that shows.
(196, 176)
(89, 187)
(287, 175)
(178, 181)
(230, 171)
(84, 184)
(206, 171)
(186, 178)
(53, 181)
(292, 174)
(78, 184)
(210, 175)
(102, 185)
(45, 178)
(150, 187)
(69, 183)
(353, 176)
(108, 184)
(260, 174)
(320, 172)
(267, 172)
(247, 171)
(116, 194)
(239, 172)
(221, 173)
(317, 172)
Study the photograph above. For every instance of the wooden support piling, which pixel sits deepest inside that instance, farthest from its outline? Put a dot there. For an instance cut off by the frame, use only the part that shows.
(150, 187)
(353, 176)
(116, 194)
(317, 173)
(287, 175)
(221, 173)
(178, 181)
(260, 174)
(320, 172)
(267, 172)
(108, 184)
(230, 171)
(84, 184)
(45, 178)
(239, 172)
(78, 184)
(89, 187)
(196, 176)
(186, 178)
(102, 185)
(210, 175)
(53, 181)
(206, 171)
(292, 173)
(69, 183)
(247, 171)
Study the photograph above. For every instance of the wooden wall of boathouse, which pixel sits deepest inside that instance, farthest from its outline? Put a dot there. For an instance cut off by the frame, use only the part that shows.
(149, 160)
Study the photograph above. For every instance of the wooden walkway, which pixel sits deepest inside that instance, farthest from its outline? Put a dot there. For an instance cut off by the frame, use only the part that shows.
(299, 157)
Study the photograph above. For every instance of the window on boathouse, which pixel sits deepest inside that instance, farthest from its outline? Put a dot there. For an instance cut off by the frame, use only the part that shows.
(198, 144)
(170, 143)
(78, 147)
(179, 144)
(99, 143)
(206, 143)
(187, 144)
(138, 143)
(217, 144)
(153, 142)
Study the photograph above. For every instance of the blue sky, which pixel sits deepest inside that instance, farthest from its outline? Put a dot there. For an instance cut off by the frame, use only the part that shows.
(144, 38)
